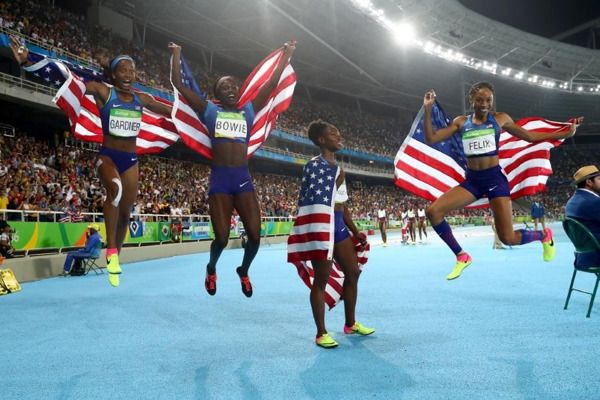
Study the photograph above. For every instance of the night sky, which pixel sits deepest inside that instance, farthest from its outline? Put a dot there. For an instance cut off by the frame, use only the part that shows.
(546, 18)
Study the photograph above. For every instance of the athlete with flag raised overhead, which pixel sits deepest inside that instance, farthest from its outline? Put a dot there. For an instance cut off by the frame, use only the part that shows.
(480, 137)
(228, 133)
(328, 259)
(121, 112)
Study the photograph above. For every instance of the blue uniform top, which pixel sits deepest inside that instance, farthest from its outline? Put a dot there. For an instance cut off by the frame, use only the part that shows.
(481, 140)
(120, 118)
(228, 125)
(584, 206)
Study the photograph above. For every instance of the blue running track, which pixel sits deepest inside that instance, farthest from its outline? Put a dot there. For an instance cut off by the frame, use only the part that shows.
(497, 332)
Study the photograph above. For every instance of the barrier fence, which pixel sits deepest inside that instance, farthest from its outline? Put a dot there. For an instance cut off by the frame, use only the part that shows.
(41, 230)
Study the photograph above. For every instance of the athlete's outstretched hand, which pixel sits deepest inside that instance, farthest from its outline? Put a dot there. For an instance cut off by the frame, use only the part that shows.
(175, 48)
(429, 98)
(575, 122)
(289, 48)
(19, 50)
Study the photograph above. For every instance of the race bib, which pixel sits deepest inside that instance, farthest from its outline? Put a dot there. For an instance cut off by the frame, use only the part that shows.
(479, 141)
(124, 123)
(230, 125)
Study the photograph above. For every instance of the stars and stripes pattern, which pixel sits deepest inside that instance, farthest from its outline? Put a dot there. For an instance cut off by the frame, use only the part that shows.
(157, 131)
(429, 171)
(312, 237)
(196, 135)
(71, 215)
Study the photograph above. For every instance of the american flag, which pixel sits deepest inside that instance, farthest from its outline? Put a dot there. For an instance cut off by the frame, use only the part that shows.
(71, 215)
(157, 131)
(429, 171)
(195, 134)
(313, 232)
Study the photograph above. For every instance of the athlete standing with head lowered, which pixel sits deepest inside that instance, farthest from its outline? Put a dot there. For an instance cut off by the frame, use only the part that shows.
(341, 248)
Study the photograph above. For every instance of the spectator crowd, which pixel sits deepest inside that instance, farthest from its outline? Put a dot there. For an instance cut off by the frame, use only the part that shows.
(38, 176)
(64, 31)
(35, 175)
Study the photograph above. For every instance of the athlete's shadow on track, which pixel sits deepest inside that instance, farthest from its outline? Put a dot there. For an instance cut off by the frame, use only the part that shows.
(525, 378)
(353, 371)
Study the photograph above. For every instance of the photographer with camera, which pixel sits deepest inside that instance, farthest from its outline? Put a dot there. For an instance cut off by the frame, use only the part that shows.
(6, 248)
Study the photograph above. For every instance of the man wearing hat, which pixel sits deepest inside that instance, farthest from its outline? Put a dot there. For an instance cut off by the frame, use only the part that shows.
(92, 248)
(6, 247)
(584, 206)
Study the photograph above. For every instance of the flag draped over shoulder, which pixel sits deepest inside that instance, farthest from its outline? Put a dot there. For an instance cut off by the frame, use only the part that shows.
(312, 237)
(429, 171)
(157, 131)
(195, 134)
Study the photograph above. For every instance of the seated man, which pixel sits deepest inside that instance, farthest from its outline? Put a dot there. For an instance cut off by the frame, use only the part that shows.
(6, 248)
(92, 248)
(584, 206)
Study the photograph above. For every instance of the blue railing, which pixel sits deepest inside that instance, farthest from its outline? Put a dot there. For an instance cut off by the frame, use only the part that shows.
(345, 152)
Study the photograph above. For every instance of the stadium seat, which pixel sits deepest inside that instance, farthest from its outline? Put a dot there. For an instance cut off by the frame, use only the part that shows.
(90, 264)
(584, 242)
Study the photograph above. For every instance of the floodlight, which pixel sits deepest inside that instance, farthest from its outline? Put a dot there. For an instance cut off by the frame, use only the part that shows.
(404, 33)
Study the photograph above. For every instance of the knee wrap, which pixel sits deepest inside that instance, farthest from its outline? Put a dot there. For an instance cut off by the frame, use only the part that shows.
(117, 199)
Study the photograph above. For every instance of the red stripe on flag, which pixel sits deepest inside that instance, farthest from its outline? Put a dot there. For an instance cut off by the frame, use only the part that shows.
(409, 187)
(250, 89)
(80, 122)
(309, 237)
(307, 255)
(312, 219)
(249, 92)
(433, 163)
(419, 175)
(511, 159)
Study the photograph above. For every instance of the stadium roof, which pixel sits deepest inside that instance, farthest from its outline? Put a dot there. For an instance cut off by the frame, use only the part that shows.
(342, 49)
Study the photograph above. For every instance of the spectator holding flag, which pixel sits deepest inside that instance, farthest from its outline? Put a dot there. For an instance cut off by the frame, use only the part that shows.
(227, 127)
(121, 111)
(479, 134)
(321, 234)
